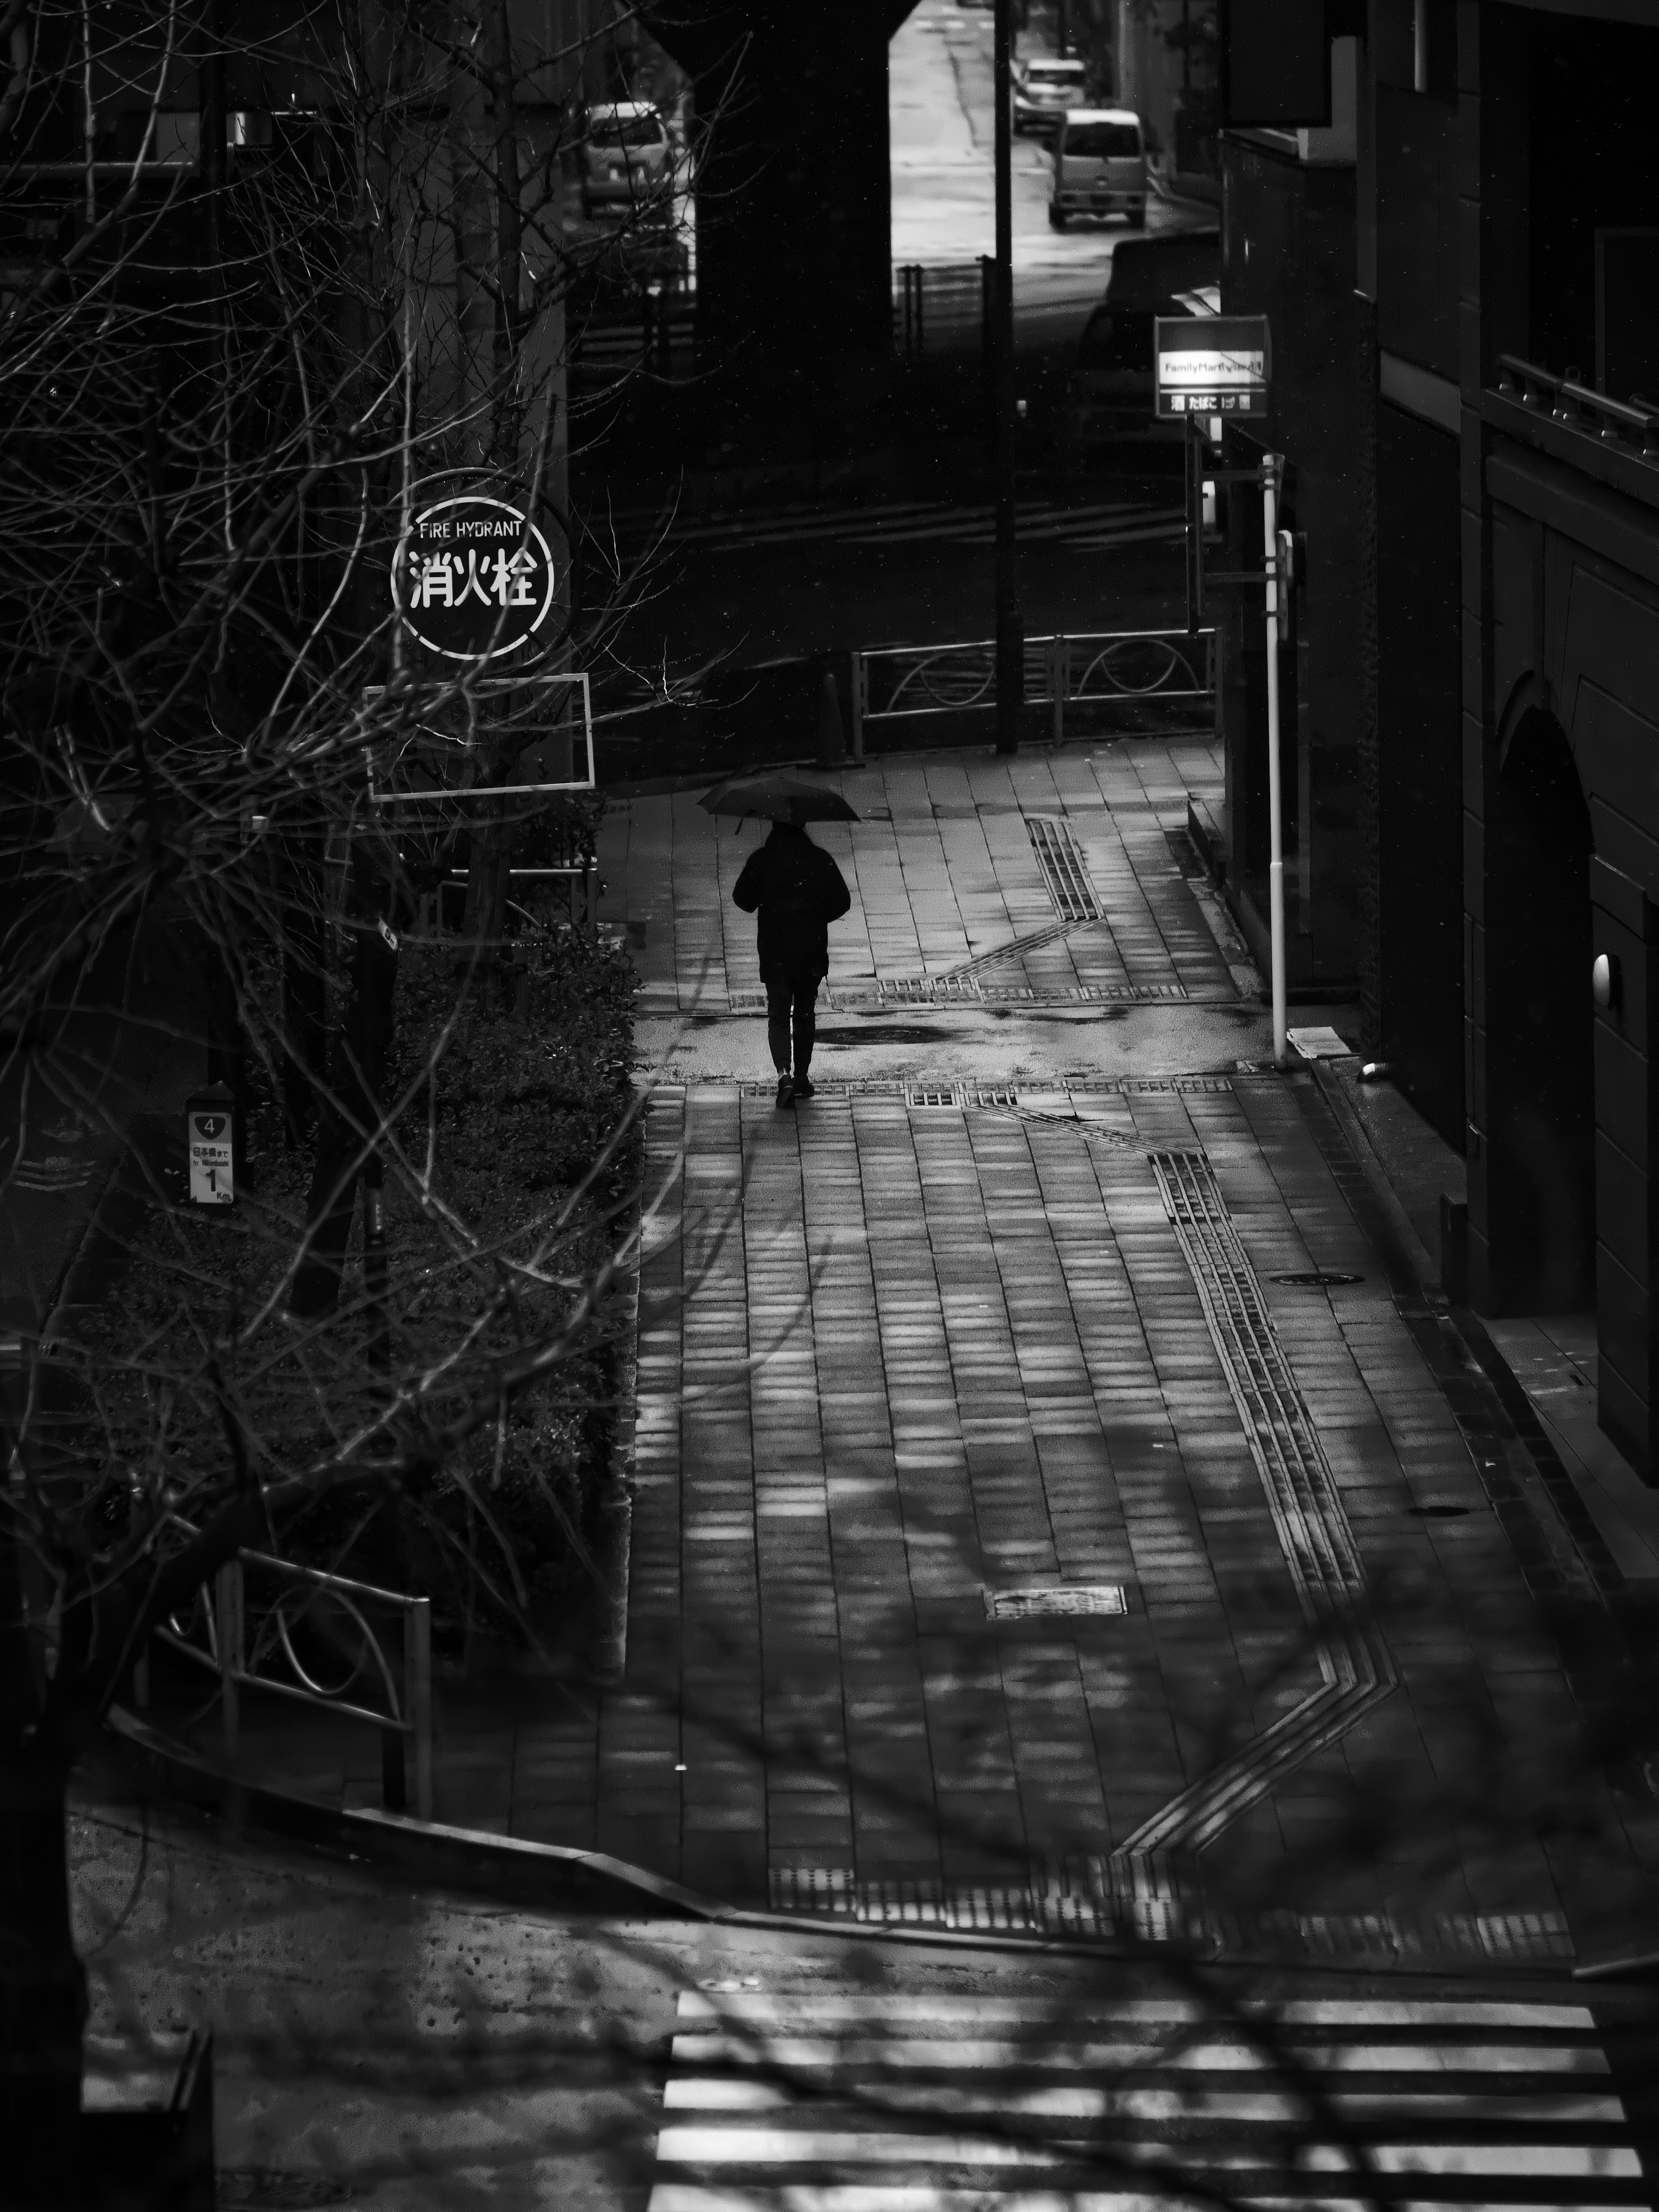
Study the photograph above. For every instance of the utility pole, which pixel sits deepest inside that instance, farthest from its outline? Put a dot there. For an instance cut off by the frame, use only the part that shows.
(1010, 646)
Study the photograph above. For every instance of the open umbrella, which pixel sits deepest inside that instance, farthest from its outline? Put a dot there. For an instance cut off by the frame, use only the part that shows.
(778, 796)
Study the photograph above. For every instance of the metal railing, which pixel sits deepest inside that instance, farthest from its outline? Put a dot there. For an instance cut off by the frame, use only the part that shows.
(1632, 429)
(943, 308)
(315, 1643)
(1111, 674)
(652, 328)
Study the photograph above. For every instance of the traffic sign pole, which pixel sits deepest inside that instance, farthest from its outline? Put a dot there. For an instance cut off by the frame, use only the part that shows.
(1009, 650)
(1271, 465)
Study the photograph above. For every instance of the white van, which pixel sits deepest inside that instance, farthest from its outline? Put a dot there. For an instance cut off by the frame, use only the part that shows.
(1100, 167)
(627, 160)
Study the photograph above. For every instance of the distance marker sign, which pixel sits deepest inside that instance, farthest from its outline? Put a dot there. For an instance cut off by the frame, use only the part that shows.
(473, 578)
(210, 1147)
(1211, 365)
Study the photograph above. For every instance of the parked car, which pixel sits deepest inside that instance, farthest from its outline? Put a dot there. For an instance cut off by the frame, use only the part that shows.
(1100, 166)
(627, 160)
(1043, 88)
(1109, 393)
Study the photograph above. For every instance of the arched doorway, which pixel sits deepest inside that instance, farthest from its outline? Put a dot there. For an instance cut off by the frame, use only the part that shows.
(1539, 1140)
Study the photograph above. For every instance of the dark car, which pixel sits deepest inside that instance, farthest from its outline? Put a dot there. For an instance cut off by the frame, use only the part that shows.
(1109, 392)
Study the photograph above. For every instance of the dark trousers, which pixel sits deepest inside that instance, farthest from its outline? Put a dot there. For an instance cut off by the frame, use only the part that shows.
(791, 998)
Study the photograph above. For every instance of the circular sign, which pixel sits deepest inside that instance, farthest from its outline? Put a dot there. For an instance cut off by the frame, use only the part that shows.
(472, 577)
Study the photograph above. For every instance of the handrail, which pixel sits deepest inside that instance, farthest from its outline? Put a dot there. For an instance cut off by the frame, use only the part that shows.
(1528, 384)
(223, 1618)
(1077, 669)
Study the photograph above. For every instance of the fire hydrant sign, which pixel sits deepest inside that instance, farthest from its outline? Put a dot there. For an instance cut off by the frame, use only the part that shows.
(1211, 365)
(212, 1154)
(473, 578)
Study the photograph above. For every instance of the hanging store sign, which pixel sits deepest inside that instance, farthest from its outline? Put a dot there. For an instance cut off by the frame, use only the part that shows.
(473, 579)
(1211, 365)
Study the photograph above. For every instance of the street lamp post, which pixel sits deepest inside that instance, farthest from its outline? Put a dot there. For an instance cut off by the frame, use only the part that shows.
(1010, 646)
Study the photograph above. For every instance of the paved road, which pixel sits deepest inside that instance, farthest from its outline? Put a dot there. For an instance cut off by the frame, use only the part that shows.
(1154, 517)
(1057, 1497)
(941, 121)
(900, 2098)
(410, 2051)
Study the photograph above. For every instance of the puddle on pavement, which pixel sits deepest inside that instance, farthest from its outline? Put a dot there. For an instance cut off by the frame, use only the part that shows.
(888, 1033)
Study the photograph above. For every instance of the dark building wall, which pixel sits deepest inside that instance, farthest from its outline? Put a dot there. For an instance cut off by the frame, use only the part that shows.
(1419, 767)
(1560, 698)
(1409, 200)
(1593, 148)
(1416, 142)
(794, 276)
(1288, 252)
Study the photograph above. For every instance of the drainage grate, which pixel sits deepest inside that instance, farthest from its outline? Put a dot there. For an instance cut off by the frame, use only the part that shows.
(1064, 870)
(1005, 1097)
(1316, 1279)
(1179, 1086)
(932, 1097)
(1355, 1666)
(908, 990)
(1095, 1899)
(753, 1002)
(965, 988)
(1080, 1600)
(270, 2188)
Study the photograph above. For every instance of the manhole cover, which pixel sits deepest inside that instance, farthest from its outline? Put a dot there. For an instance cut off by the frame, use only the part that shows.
(1316, 1279)
(1081, 1598)
(1439, 1512)
(270, 2187)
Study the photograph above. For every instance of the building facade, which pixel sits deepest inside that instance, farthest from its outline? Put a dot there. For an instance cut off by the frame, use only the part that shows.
(1477, 748)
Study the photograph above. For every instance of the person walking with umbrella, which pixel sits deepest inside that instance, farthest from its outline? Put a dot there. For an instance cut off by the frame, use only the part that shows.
(796, 889)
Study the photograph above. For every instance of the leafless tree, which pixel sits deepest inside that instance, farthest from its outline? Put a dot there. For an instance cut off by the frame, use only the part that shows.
(270, 283)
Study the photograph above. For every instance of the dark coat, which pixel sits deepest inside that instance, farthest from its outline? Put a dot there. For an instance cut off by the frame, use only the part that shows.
(797, 891)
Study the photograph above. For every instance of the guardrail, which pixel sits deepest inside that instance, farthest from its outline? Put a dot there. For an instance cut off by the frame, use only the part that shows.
(941, 309)
(651, 328)
(1564, 400)
(1110, 674)
(316, 1624)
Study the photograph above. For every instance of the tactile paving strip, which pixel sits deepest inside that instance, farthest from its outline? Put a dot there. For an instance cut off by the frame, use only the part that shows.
(1356, 1668)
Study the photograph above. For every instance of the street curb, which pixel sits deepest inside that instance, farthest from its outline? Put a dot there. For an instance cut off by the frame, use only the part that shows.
(552, 1876)
(514, 1871)
(551, 1873)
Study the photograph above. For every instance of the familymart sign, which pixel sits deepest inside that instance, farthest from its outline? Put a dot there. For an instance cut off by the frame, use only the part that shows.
(1211, 365)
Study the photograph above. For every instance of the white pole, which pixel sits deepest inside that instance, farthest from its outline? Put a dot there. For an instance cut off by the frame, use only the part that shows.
(1271, 464)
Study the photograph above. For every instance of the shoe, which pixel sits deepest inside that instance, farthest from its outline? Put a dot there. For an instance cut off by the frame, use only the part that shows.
(803, 1088)
(786, 1091)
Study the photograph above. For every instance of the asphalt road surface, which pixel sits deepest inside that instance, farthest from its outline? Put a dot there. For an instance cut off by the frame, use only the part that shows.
(941, 118)
(396, 2048)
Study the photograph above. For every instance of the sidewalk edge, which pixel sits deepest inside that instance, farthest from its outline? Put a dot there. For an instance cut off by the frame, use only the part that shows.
(1370, 1166)
(591, 1879)
(513, 1869)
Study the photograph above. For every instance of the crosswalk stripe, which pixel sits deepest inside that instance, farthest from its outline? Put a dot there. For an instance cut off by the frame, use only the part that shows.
(697, 2094)
(1316, 2012)
(714, 2145)
(861, 2196)
(838, 2100)
(1209, 2055)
